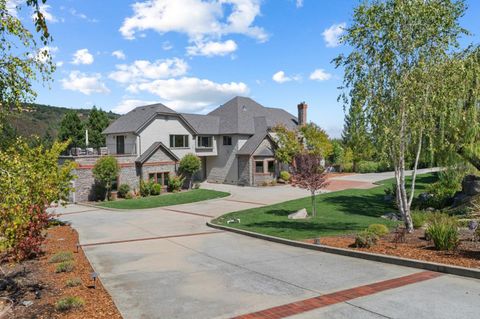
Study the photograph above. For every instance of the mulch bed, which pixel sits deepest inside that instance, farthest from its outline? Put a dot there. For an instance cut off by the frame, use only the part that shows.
(415, 246)
(36, 281)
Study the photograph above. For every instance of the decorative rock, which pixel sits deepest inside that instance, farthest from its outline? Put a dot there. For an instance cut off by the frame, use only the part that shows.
(391, 216)
(473, 225)
(424, 197)
(471, 185)
(301, 214)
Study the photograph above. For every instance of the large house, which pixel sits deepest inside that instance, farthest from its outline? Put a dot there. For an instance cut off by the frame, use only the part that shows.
(234, 143)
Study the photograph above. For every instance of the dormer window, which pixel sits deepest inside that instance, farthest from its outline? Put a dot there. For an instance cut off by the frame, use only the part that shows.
(204, 142)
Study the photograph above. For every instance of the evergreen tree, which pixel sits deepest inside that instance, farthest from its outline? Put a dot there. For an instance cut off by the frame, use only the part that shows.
(96, 123)
(355, 135)
(72, 128)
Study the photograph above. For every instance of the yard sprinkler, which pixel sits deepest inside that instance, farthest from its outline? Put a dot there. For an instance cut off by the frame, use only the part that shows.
(77, 246)
(94, 276)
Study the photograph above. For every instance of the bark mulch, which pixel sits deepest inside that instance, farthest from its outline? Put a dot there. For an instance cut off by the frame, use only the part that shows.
(415, 246)
(35, 281)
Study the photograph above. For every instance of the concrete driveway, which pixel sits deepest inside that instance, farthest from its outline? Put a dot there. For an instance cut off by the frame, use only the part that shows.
(165, 263)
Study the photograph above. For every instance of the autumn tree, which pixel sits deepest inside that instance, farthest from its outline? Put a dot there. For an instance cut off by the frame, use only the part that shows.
(309, 174)
(395, 46)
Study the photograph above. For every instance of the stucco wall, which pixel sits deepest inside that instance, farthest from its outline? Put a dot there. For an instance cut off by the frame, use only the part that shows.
(244, 170)
(130, 143)
(224, 167)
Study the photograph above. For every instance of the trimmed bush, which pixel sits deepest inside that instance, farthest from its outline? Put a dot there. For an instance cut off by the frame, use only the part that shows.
(61, 257)
(284, 175)
(175, 183)
(74, 282)
(443, 231)
(366, 239)
(419, 219)
(64, 266)
(123, 190)
(367, 167)
(69, 303)
(129, 195)
(155, 189)
(145, 188)
(378, 229)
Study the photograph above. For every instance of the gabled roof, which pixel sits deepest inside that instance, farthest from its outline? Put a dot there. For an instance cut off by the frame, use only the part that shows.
(237, 116)
(152, 149)
(136, 118)
(203, 124)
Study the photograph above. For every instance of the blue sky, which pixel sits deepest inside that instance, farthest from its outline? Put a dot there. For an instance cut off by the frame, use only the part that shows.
(193, 55)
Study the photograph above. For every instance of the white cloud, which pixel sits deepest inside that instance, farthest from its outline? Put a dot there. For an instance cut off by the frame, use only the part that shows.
(44, 9)
(299, 3)
(45, 54)
(167, 46)
(86, 84)
(80, 15)
(12, 6)
(126, 105)
(204, 22)
(82, 56)
(332, 34)
(191, 94)
(212, 48)
(320, 75)
(119, 54)
(59, 64)
(281, 77)
(143, 70)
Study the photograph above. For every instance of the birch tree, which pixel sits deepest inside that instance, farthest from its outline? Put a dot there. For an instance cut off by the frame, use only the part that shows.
(395, 46)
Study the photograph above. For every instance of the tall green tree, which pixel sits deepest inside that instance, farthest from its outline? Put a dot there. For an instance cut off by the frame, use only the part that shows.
(72, 129)
(22, 60)
(395, 46)
(316, 140)
(106, 171)
(96, 123)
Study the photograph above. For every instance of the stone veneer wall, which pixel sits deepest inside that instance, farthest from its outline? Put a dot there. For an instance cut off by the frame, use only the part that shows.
(244, 170)
(157, 163)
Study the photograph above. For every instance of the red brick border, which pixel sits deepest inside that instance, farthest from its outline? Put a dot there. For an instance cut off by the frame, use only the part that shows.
(302, 306)
(149, 238)
(245, 202)
(185, 212)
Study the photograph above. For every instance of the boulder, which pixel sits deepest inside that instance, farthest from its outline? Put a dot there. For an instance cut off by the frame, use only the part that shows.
(392, 216)
(471, 185)
(301, 214)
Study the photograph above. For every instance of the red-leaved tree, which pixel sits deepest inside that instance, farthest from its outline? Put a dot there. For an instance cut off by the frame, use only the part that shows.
(310, 174)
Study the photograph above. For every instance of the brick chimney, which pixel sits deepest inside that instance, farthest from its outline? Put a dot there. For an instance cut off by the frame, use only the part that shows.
(302, 114)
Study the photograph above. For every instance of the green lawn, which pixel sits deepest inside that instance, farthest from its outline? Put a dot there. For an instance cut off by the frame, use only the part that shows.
(194, 195)
(337, 213)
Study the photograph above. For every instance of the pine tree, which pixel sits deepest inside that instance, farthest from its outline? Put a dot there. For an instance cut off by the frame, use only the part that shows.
(72, 128)
(96, 123)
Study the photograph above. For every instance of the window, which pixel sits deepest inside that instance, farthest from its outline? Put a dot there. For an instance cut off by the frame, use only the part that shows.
(159, 178)
(204, 141)
(115, 183)
(120, 144)
(258, 166)
(179, 141)
(271, 166)
(227, 140)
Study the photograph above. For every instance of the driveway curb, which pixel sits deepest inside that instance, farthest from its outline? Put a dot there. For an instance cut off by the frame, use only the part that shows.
(453, 270)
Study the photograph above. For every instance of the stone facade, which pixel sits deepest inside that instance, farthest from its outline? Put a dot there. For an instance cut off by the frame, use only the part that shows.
(244, 170)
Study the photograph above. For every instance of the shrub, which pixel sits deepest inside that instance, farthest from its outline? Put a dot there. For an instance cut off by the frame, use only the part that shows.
(69, 303)
(419, 219)
(367, 167)
(155, 189)
(189, 165)
(105, 171)
(64, 266)
(443, 231)
(378, 229)
(145, 188)
(123, 190)
(74, 282)
(284, 175)
(175, 183)
(61, 257)
(128, 195)
(365, 239)
(196, 186)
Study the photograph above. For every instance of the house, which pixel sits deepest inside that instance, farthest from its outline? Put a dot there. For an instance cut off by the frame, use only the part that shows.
(233, 142)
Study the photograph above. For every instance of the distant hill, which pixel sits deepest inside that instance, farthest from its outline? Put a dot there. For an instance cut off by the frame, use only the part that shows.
(44, 120)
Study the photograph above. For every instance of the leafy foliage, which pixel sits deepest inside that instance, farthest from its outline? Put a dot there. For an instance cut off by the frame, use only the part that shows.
(189, 165)
(175, 183)
(72, 129)
(96, 123)
(419, 218)
(284, 175)
(123, 190)
(105, 171)
(65, 266)
(378, 229)
(316, 140)
(309, 173)
(366, 239)
(30, 180)
(443, 231)
(288, 144)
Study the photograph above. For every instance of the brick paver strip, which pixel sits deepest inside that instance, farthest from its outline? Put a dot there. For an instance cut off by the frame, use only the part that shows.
(78, 212)
(149, 238)
(302, 306)
(246, 202)
(188, 213)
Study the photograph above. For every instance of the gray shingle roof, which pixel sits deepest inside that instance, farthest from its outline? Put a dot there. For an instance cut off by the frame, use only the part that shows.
(136, 118)
(252, 144)
(236, 116)
(203, 124)
(152, 149)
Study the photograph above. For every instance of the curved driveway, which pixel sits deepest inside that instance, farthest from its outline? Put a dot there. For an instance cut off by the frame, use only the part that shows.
(176, 267)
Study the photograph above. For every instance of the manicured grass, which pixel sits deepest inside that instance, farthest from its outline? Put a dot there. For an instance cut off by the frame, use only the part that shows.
(191, 196)
(337, 213)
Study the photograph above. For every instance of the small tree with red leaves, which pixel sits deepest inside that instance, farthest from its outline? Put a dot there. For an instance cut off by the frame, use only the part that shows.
(310, 174)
